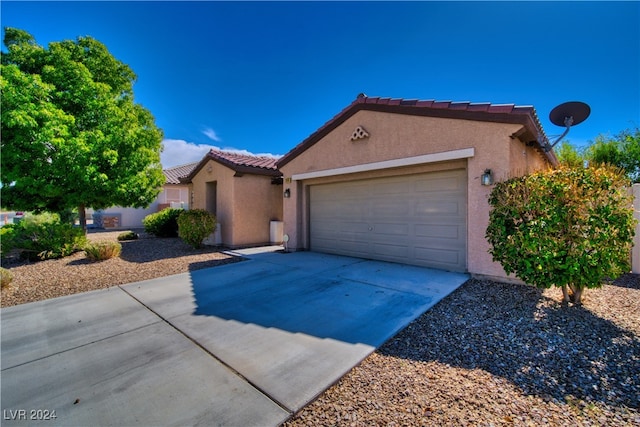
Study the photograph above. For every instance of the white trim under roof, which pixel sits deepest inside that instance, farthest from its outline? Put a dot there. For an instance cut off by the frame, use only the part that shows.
(386, 164)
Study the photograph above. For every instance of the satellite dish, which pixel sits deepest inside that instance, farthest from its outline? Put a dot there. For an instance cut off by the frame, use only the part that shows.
(567, 114)
(575, 111)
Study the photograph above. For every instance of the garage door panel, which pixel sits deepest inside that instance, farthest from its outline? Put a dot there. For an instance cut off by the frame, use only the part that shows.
(443, 258)
(390, 229)
(353, 209)
(393, 187)
(414, 219)
(438, 231)
(354, 227)
(357, 248)
(438, 206)
(447, 181)
(391, 208)
(387, 251)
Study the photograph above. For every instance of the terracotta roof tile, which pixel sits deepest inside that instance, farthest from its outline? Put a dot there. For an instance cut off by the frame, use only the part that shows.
(459, 105)
(479, 107)
(240, 162)
(242, 159)
(441, 104)
(423, 103)
(174, 174)
(500, 113)
(501, 108)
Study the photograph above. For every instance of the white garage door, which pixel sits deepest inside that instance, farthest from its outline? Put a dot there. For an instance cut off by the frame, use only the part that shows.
(412, 219)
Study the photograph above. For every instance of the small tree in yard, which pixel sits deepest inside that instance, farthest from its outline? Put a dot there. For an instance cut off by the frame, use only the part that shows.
(195, 225)
(571, 228)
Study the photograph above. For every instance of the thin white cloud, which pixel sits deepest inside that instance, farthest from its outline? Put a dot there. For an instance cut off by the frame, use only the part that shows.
(249, 153)
(179, 152)
(211, 134)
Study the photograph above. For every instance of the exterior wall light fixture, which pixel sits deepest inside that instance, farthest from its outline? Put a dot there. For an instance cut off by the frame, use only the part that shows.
(287, 193)
(487, 177)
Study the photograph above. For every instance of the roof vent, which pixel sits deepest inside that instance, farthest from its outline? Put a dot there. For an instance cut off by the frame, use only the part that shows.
(359, 133)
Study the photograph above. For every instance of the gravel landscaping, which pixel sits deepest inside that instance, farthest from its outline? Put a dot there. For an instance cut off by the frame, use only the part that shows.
(146, 258)
(489, 354)
(495, 354)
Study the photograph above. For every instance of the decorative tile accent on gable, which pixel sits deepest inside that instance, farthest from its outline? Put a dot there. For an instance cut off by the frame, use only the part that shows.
(359, 133)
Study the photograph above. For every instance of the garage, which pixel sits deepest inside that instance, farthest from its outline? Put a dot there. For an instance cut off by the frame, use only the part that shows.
(408, 180)
(416, 219)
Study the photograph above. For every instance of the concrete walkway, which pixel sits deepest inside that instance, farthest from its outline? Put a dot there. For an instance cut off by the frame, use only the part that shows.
(244, 344)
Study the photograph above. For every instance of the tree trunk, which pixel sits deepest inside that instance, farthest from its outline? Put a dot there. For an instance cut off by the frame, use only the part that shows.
(82, 213)
(573, 294)
(577, 295)
(565, 293)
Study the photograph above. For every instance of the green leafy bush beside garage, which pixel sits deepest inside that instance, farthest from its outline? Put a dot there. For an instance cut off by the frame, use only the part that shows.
(195, 225)
(571, 228)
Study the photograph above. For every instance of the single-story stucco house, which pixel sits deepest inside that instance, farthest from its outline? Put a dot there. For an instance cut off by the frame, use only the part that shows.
(243, 191)
(402, 180)
(173, 194)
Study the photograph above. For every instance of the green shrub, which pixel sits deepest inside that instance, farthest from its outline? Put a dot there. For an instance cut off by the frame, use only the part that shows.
(6, 277)
(8, 236)
(570, 228)
(100, 251)
(41, 237)
(163, 223)
(195, 225)
(127, 235)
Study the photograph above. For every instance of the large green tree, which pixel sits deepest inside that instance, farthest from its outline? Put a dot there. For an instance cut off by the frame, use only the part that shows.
(72, 135)
(622, 151)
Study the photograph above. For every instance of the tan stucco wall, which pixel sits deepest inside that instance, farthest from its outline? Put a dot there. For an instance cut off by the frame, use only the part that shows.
(245, 204)
(257, 202)
(223, 176)
(395, 136)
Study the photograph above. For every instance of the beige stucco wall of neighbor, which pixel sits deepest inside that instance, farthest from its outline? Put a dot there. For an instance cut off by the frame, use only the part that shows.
(132, 217)
(244, 204)
(635, 252)
(397, 136)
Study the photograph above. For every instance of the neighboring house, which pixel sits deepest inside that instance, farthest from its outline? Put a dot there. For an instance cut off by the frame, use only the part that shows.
(174, 194)
(243, 191)
(401, 180)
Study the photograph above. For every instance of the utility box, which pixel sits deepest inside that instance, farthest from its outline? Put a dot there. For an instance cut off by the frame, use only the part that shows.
(276, 232)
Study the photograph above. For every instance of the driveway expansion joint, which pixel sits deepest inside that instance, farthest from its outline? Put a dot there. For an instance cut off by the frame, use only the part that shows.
(216, 358)
(66, 350)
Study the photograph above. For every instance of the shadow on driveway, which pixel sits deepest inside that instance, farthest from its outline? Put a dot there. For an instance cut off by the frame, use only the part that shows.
(325, 302)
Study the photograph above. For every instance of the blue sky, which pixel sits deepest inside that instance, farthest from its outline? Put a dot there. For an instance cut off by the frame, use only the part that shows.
(262, 76)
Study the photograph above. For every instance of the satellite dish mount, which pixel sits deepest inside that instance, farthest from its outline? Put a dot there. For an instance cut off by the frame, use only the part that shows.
(567, 115)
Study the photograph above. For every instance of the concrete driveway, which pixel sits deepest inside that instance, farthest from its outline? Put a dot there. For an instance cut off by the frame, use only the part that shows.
(244, 344)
